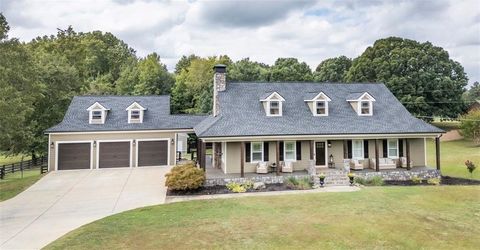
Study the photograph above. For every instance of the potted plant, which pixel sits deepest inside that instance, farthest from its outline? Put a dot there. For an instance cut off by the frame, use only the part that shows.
(351, 176)
(321, 176)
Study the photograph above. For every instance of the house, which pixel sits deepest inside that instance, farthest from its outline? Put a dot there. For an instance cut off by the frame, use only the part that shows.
(297, 125)
(254, 127)
(118, 131)
(474, 106)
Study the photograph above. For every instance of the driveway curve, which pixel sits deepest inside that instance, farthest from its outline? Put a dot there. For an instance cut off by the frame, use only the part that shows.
(65, 200)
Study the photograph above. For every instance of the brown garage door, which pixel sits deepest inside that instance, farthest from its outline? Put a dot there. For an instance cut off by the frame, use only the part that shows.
(152, 153)
(114, 154)
(74, 156)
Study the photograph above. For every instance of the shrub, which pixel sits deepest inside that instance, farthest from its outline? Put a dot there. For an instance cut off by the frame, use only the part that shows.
(417, 180)
(293, 183)
(236, 187)
(471, 167)
(372, 181)
(361, 181)
(185, 177)
(434, 181)
(248, 185)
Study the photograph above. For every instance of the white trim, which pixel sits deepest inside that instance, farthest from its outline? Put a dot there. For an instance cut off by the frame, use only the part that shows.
(363, 149)
(315, 153)
(153, 139)
(96, 106)
(271, 96)
(311, 137)
(48, 153)
(388, 149)
(370, 108)
(425, 150)
(129, 115)
(102, 119)
(224, 154)
(294, 151)
(317, 97)
(315, 103)
(280, 108)
(251, 151)
(131, 107)
(370, 97)
(66, 142)
(126, 131)
(119, 140)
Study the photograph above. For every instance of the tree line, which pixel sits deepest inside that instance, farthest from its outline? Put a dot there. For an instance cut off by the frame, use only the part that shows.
(39, 78)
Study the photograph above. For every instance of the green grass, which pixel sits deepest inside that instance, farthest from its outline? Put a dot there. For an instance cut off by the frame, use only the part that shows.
(4, 160)
(442, 217)
(446, 125)
(14, 184)
(452, 157)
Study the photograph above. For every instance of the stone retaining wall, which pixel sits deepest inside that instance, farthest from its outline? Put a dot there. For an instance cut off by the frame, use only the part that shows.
(401, 175)
(264, 179)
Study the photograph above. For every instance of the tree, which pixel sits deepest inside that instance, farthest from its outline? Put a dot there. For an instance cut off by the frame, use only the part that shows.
(420, 75)
(19, 88)
(333, 69)
(470, 126)
(184, 63)
(473, 93)
(153, 77)
(246, 70)
(290, 69)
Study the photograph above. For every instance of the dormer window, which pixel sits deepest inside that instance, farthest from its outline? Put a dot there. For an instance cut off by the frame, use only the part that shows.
(97, 113)
(273, 104)
(362, 103)
(318, 103)
(135, 113)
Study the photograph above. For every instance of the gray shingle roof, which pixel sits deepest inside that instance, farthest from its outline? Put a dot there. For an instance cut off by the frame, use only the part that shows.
(242, 113)
(156, 117)
(354, 96)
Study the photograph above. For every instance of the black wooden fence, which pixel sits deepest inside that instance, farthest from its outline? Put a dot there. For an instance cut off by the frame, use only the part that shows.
(24, 165)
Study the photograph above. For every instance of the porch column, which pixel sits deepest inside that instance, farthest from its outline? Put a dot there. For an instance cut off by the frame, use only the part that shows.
(242, 159)
(202, 155)
(407, 144)
(377, 157)
(277, 156)
(437, 152)
(311, 150)
(345, 149)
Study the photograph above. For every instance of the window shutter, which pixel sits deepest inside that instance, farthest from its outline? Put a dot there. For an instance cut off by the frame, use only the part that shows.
(385, 149)
(365, 149)
(349, 149)
(400, 145)
(247, 152)
(265, 151)
(281, 151)
(299, 150)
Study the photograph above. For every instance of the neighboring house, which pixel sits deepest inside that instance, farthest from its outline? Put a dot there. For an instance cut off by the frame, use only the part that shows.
(294, 125)
(474, 106)
(311, 123)
(117, 131)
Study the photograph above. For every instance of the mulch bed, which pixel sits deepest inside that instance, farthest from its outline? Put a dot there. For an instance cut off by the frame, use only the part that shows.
(446, 180)
(224, 190)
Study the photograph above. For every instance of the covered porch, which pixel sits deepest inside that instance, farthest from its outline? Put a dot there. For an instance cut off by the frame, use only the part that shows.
(296, 156)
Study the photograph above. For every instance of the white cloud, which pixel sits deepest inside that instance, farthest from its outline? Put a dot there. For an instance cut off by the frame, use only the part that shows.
(308, 30)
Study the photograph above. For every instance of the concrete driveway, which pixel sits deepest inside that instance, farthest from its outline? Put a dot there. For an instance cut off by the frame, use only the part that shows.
(65, 200)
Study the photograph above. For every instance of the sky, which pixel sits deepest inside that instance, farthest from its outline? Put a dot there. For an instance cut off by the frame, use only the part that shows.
(311, 31)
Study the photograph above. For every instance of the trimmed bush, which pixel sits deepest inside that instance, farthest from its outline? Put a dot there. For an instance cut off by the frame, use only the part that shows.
(236, 187)
(294, 183)
(417, 180)
(185, 177)
(433, 181)
(373, 181)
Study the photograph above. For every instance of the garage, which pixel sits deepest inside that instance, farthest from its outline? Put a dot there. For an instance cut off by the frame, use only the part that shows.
(74, 156)
(114, 154)
(153, 153)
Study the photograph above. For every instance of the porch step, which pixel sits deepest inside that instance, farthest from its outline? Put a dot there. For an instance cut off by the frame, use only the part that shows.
(336, 178)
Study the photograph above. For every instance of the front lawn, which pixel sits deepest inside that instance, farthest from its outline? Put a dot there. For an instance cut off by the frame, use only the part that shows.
(14, 184)
(453, 156)
(440, 217)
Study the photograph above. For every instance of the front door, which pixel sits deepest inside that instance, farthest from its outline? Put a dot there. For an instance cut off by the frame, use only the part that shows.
(320, 153)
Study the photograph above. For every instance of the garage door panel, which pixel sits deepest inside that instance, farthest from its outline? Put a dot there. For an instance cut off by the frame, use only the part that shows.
(114, 154)
(74, 156)
(152, 153)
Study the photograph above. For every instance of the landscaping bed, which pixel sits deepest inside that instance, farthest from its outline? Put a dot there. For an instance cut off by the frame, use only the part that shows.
(445, 180)
(225, 190)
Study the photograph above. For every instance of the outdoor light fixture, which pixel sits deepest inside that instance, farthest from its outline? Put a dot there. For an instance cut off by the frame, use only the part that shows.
(133, 142)
(173, 141)
(94, 143)
(329, 144)
(52, 144)
(331, 157)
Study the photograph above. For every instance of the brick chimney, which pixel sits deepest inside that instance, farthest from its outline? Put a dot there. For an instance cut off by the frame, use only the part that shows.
(219, 84)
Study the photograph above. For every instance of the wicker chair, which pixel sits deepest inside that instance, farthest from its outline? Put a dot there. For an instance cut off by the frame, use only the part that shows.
(262, 168)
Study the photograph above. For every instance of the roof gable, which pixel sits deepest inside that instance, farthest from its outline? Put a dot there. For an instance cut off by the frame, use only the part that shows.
(355, 97)
(320, 96)
(135, 106)
(96, 106)
(273, 97)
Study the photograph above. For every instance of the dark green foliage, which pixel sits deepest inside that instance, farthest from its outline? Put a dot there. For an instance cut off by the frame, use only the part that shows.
(420, 75)
(300, 184)
(333, 69)
(246, 70)
(372, 181)
(473, 93)
(185, 177)
(470, 126)
(290, 69)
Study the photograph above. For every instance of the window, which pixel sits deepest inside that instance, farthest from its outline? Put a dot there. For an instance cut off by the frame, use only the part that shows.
(97, 115)
(365, 108)
(135, 115)
(321, 108)
(290, 153)
(357, 149)
(256, 151)
(392, 149)
(274, 108)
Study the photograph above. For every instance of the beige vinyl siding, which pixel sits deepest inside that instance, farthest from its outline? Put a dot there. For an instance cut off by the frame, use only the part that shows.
(65, 137)
(417, 152)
